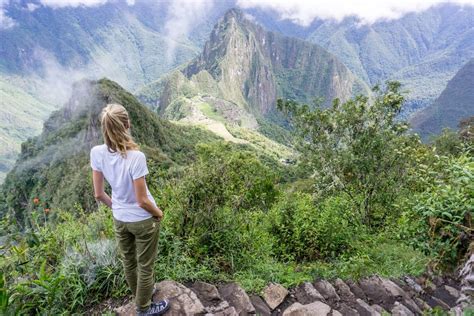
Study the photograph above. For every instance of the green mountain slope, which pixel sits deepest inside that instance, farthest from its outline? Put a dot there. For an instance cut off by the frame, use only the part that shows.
(422, 50)
(455, 103)
(21, 117)
(242, 71)
(54, 166)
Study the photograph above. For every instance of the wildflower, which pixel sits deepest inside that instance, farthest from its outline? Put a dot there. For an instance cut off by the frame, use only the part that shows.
(46, 210)
(36, 201)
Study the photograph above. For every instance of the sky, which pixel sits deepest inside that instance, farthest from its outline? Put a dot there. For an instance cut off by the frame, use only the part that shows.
(301, 12)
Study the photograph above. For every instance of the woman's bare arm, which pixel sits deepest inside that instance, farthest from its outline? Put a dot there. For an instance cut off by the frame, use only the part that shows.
(99, 193)
(142, 198)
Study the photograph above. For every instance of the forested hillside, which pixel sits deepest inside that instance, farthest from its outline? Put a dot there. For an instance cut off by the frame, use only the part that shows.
(455, 103)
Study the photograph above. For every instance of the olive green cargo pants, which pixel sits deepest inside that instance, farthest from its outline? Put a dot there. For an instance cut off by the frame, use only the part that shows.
(138, 244)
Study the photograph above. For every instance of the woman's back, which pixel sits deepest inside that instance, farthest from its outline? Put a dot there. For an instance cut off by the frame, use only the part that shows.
(120, 172)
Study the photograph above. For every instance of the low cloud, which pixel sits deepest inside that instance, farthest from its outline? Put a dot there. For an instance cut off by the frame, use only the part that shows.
(181, 16)
(303, 12)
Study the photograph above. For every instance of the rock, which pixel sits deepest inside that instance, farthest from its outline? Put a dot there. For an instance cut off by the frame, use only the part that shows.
(335, 313)
(413, 285)
(376, 293)
(401, 310)
(126, 310)
(422, 304)
(395, 291)
(346, 310)
(182, 300)
(379, 309)
(343, 290)
(313, 309)
(436, 302)
(444, 294)
(306, 293)
(364, 309)
(229, 311)
(237, 298)
(327, 290)
(356, 290)
(261, 307)
(207, 293)
(274, 294)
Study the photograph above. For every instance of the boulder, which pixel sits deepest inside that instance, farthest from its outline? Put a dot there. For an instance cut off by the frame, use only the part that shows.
(400, 295)
(306, 293)
(327, 290)
(182, 300)
(229, 311)
(376, 292)
(346, 310)
(343, 290)
(356, 290)
(261, 308)
(365, 309)
(237, 298)
(313, 309)
(445, 295)
(401, 310)
(126, 310)
(274, 294)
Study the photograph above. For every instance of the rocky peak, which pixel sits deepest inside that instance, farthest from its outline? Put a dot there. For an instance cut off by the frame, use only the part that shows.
(252, 67)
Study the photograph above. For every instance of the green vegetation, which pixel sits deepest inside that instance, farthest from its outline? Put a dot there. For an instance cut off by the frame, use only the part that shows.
(453, 104)
(385, 204)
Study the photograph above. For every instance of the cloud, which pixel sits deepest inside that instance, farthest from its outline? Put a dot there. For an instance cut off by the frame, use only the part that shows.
(6, 22)
(181, 16)
(72, 3)
(303, 12)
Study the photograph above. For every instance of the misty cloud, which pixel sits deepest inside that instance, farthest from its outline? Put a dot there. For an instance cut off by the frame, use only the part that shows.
(303, 12)
(6, 22)
(182, 15)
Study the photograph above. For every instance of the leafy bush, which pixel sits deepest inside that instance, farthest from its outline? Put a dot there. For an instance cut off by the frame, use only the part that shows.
(218, 204)
(306, 230)
(439, 219)
(358, 148)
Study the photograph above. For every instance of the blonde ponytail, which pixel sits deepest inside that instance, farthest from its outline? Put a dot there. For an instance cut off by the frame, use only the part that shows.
(115, 129)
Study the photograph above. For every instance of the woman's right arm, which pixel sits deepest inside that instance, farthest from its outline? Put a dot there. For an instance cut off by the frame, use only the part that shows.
(142, 198)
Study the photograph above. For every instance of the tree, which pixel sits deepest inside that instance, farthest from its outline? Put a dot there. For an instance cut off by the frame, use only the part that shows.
(358, 147)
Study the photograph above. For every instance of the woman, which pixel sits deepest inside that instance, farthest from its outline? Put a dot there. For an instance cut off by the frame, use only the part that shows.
(136, 216)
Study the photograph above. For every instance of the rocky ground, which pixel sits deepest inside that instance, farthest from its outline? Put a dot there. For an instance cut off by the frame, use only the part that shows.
(369, 296)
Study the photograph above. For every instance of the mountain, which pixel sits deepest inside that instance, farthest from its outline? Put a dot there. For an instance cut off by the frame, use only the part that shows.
(21, 117)
(49, 48)
(422, 50)
(53, 165)
(242, 71)
(454, 104)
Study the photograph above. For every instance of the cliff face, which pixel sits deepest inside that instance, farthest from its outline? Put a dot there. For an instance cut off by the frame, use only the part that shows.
(251, 67)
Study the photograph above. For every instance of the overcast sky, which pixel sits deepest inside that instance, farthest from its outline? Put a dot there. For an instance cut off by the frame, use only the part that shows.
(299, 11)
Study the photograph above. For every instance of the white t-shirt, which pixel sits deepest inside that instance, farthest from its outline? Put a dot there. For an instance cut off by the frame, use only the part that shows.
(120, 173)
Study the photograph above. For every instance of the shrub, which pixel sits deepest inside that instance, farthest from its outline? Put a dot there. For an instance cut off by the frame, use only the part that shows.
(217, 205)
(358, 148)
(305, 230)
(439, 219)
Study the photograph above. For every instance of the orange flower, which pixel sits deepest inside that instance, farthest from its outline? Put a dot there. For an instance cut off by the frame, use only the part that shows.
(46, 210)
(36, 201)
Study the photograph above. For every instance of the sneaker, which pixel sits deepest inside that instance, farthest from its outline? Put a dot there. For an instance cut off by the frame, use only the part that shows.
(155, 309)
